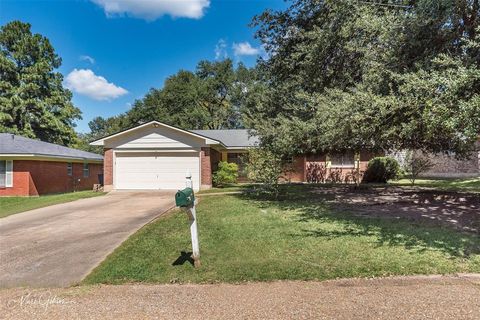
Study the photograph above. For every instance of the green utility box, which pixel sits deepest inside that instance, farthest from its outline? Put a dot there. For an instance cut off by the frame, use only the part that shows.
(184, 198)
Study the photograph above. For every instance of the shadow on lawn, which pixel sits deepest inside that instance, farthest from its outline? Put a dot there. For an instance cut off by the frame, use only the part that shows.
(414, 235)
(184, 257)
(392, 232)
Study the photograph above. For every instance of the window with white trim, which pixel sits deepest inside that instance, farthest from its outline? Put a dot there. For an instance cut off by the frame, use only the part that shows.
(6, 173)
(343, 160)
(86, 170)
(69, 168)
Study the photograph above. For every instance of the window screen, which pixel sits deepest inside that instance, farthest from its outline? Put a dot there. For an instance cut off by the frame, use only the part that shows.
(86, 170)
(343, 160)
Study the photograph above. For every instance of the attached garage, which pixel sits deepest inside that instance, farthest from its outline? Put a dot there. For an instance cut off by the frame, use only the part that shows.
(156, 170)
(156, 156)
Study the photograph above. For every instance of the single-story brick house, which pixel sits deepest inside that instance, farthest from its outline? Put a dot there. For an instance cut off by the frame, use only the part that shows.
(155, 155)
(30, 167)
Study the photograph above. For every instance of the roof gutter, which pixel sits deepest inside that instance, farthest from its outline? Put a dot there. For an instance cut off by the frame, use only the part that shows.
(48, 157)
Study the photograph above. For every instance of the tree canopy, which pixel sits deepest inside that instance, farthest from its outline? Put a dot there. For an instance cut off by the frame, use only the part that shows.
(214, 96)
(383, 75)
(338, 75)
(209, 98)
(33, 101)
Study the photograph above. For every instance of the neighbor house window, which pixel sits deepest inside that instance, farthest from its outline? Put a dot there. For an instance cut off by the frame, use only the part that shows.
(343, 160)
(6, 173)
(69, 168)
(86, 170)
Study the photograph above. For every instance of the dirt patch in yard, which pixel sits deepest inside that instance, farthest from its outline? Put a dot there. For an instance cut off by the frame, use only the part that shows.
(452, 209)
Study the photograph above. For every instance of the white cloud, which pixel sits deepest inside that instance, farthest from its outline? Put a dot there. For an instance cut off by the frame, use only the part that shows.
(153, 9)
(87, 58)
(245, 49)
(221, 49)
(85, 82)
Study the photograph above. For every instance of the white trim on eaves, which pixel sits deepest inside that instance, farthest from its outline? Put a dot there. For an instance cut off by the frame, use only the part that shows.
(101, 142)
(21, 156)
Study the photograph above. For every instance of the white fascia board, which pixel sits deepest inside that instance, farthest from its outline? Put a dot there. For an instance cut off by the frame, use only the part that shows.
(101, 142)
(97, 142)
(241, 148)
(47, 157)
(210, 141)
(154, 150)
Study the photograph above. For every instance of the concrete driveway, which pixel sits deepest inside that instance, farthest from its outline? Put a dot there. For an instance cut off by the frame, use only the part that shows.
(59, 245)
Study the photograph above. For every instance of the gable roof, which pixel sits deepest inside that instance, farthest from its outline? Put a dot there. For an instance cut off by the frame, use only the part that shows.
(11, 144)
(100, 142)
(231, 138)
(228, 138)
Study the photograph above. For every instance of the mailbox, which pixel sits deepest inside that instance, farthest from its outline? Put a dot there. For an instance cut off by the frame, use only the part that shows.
(184, 198)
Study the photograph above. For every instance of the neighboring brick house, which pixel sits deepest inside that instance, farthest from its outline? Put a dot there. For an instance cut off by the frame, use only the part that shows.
(154, 155)
(445, 165)
(30, 167)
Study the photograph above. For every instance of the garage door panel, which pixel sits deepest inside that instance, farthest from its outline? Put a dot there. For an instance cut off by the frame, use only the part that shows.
(156, 170)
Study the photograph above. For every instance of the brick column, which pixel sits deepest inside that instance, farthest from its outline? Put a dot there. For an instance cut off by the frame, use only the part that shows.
(108, 170)
(206, 167)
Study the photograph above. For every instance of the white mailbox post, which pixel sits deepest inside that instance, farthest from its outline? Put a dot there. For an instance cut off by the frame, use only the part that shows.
(193, 224)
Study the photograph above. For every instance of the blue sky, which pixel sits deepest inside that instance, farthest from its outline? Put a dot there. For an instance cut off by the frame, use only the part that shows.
(114, 51)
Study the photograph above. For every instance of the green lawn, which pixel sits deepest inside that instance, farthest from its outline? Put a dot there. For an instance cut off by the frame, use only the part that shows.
(446, 184)
(467, 184)
(228, 188)
(11, 205)
(244, 239)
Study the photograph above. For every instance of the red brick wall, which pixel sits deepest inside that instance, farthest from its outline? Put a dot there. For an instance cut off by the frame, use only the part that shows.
(206, 167)
(21, 180)
(108, 167)
(301, 165)
(298, 173)
(366, 156)
(316, 171)
(215, 158)
(32, 177)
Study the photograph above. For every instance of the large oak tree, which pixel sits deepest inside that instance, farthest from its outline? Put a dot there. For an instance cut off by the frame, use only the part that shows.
(345, 74)
(211, 97)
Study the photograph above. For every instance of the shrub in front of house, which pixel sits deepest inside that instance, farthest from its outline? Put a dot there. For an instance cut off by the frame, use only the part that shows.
(226, 173)
(381, 169)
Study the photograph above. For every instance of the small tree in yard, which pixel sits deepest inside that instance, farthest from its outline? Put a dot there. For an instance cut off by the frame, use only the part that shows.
(267, 168)
(226, 173)
(415, 164)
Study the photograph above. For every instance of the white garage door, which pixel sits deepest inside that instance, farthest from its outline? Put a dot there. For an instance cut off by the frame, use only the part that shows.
(156, 170)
